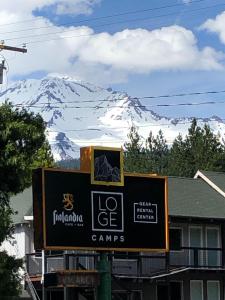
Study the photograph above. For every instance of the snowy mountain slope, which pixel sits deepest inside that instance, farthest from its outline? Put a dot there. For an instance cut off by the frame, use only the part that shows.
(79, 114)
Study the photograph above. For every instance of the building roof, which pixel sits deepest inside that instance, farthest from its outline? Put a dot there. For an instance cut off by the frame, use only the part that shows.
(187, 197)
(22, 205)
(215, 179)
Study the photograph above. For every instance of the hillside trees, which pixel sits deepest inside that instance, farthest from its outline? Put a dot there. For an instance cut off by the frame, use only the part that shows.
(150, 158)
(134, 152)
(157, 153)
(199, 149)
(23, 145)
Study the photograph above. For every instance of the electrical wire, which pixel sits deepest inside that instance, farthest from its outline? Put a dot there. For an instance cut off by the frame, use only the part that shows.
(19, 22)
(176, 121)
(125, 98)
(123, 141)
(97, 26)
(121, 106)
(98, 18)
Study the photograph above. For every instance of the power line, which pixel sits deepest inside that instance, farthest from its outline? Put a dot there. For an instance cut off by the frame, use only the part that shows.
(122, 106)
(97, 26)
(98, 18)
(19, 22)
(125, 98)
(138, 126)
(122, 141)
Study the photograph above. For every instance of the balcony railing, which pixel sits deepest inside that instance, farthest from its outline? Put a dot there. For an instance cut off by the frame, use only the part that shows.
(133, 264)
(197, 257)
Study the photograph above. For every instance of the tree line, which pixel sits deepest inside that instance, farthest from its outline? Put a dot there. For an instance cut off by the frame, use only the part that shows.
(199, 149)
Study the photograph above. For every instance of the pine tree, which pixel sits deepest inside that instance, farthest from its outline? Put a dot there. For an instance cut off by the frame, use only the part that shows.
(153, 158)
(134, 153)
(157, 152)
(201, 149)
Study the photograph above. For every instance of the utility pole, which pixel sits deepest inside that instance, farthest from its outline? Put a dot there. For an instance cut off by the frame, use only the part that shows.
(10, 48)
(2, 68)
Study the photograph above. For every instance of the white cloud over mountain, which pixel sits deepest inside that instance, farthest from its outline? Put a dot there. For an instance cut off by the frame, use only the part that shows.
(217, 26)
(100, 57)
(143, 51)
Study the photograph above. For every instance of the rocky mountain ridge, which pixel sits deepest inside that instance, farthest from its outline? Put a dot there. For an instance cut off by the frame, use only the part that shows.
(78, 114)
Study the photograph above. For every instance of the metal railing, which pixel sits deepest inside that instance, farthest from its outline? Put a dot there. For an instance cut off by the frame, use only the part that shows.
(198, 257)
(133, 264)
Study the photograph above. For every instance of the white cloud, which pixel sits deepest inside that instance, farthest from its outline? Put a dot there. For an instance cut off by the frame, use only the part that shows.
(102, 57)
(216, 25)
(143, 51)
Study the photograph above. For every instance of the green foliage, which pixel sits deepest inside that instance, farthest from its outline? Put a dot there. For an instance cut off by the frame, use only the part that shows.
(10, 278)
(134, 152)
(5, 222)
(157, 153)
(200, 149)
(23, 145)
(69, 164)
(178, 158)
(149, 159)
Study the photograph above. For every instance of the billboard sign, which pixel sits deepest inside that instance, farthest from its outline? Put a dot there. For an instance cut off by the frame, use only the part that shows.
(71, 213)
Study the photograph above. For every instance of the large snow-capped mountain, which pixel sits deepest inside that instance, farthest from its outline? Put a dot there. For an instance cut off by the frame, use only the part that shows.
(80, 114)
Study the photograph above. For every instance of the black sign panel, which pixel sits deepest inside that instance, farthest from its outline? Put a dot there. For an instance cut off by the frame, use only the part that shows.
(79, 215)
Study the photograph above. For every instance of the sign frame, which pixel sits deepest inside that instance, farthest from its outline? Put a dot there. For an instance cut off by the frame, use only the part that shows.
(40, 216)
(120, 163)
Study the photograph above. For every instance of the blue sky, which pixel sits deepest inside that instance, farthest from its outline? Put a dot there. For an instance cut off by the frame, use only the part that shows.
(146, 48)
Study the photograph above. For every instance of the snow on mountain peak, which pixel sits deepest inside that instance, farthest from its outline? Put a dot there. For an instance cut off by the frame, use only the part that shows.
(78, 113)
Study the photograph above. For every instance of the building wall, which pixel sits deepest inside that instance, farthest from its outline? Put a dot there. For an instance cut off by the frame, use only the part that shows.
(16, 245)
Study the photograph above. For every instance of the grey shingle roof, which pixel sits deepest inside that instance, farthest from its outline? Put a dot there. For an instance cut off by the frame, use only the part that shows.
(217, 178)
(194, 198)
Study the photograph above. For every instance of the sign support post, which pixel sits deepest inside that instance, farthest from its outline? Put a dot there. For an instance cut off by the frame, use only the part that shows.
(104, 268)
(44, 265)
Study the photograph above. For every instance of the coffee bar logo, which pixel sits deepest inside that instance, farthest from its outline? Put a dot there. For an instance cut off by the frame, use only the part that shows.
(107, 211)
(68, 216)
(68, 201)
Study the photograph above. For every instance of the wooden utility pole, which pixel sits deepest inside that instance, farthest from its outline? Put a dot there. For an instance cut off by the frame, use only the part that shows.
(5, 47)
(10, 48)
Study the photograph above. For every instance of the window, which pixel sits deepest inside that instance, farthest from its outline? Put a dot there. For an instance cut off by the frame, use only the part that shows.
(174, 289)
(175, 236)
(195, 240)
(212, 241)
(196, 289)
(213, 290)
